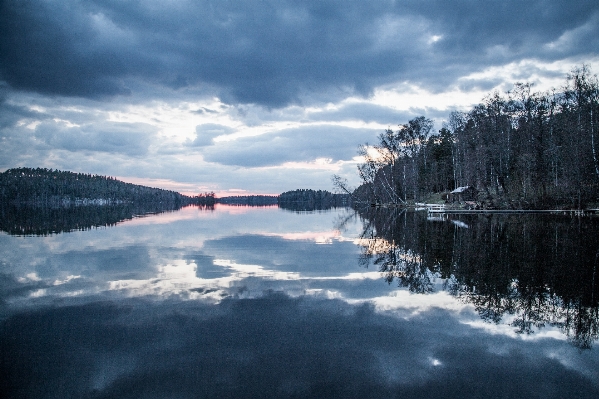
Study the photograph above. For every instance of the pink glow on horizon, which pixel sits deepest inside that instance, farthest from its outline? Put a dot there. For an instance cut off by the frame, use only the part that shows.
(193, 212)
(186, 188)
(185, 213)
(241, 209)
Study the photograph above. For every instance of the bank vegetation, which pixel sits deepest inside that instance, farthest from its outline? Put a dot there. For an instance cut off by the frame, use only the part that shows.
(518, 150)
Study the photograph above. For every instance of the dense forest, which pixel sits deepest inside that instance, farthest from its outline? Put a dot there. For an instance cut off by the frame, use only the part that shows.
(304, 199)
(55, 188)
(250, 200)
(521, 150)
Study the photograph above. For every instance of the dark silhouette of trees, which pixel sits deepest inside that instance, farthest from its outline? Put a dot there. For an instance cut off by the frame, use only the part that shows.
(204, 199)
(55, 188)
(521, 150)
(309, 200)
(249, 200)
(45, 201)
(392, 168)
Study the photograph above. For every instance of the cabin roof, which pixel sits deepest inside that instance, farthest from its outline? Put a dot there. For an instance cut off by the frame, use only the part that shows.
(460, 189)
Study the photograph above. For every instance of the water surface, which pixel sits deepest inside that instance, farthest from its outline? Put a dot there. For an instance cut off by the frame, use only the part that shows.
(266, 302)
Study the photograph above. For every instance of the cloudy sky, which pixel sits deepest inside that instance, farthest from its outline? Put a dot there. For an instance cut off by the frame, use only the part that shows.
(259, 96)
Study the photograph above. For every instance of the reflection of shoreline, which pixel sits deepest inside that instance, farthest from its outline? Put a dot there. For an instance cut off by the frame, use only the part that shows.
(538, 269)
(32, 221)
(303, 207)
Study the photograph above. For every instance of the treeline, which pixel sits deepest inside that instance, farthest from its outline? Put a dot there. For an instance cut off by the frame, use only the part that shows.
(521, 150)
(250, 200)
(306, 199)
(54, 188)
(204, 199)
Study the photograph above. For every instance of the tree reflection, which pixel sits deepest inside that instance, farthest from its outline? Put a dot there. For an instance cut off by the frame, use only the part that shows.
(532, 271)
(42, 221)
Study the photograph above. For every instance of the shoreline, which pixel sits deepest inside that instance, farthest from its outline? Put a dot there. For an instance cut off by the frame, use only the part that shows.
(442, 208)
(551, 211)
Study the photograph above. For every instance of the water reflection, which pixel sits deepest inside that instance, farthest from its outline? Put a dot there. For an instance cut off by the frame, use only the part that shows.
(41, 221)
(534, 270)
(193, 253)
(299, 208)
(262, 302)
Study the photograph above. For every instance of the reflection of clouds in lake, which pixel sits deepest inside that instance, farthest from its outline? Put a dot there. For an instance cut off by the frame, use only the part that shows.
(275, 346)
(403, 300)
(275, 253)
(319, 237)
(137, 249)
(237, 265)
(136, 266)
(183, 258)
(245, 270)
(505, 328)
(259, 309)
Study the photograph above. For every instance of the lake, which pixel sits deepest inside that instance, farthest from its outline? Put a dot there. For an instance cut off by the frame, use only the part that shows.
(266, 302)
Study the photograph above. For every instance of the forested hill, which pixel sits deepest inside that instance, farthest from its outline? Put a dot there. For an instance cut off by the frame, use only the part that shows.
(312, 199)
(250, 200)
(47, 187)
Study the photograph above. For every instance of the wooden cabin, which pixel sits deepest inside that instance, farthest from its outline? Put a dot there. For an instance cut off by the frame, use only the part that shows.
(462, 194)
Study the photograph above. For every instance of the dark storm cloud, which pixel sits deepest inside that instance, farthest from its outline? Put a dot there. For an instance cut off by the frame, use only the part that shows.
(17, 142)
(279, 52)
(479, 84)
(131, 139)
(301, 144)
(274, 346)
(208, 131)
(363, 112)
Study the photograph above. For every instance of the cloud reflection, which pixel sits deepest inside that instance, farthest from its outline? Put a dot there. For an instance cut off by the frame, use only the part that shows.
(272, 346)
(260, 309)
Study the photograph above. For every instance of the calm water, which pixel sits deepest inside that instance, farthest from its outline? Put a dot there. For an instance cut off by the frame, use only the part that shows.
(266, 302)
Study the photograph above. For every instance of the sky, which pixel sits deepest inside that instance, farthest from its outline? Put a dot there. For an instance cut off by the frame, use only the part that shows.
(258, 96)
